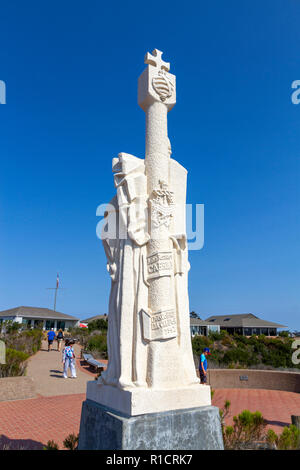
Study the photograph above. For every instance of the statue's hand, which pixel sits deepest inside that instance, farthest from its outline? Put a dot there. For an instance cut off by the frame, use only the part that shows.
(139, 239)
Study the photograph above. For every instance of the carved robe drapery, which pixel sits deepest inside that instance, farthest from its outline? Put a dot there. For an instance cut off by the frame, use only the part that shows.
(129, 294)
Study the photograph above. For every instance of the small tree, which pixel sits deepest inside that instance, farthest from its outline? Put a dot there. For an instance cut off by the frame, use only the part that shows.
(99, 324)
(51, 445)
(284, 334)
(71, 441)
(248, 428)
(224, 412)
(288, 440)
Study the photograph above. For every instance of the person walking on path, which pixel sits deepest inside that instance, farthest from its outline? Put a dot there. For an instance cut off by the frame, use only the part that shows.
(68, 359)
(51, 336)
(203, 365)
(59, 337)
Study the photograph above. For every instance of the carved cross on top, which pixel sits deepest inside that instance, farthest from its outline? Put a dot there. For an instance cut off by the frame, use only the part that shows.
(156, 60)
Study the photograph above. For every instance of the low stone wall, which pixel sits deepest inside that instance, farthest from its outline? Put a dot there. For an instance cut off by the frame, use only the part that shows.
(249, 378)
(17, 388)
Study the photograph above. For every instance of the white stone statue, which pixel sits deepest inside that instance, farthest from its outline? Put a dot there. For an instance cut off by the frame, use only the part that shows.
(129, 289)
(151, 366)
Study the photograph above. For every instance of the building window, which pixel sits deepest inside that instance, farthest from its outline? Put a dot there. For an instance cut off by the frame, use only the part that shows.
(198, 330)
(214, 328)
(238, 331)
(247, 331)
(61, 325)
(229, 330)
(194, 330)
(50, 324)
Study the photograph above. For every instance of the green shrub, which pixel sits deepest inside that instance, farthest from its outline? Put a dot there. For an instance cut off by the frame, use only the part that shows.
(51, 445)
(20, 344)
(223, 412)
(15, 363)
(99, 324)
(81, 334)
(11, 326)
(215, 336)
(71, 441)
(238, 355)
(97, 344)
(34, 340)
(272, 438)
(288, 440)
(284, 334)
(227, 341)
(199, 343)
(243, 340)
(248, 428)
(236, 351)
(27, 341)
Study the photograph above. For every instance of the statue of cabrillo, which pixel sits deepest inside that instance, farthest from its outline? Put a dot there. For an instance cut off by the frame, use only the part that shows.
(149, 397)
(151, 366)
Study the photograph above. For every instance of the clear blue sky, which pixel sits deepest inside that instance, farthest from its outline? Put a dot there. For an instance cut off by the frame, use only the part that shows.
(71, 72)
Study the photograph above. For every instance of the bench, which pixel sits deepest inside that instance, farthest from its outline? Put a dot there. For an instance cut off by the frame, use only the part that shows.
(89, 359)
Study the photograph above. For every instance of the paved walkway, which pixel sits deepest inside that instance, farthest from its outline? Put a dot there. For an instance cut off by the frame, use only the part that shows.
(46, 369)
(275, 406)
(31, 423)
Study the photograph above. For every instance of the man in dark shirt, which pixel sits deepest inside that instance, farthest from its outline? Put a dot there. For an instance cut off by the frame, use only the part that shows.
(51, 336)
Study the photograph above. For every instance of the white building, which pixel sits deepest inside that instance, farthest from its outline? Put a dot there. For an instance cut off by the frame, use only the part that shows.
(202, 327)
(33, 316)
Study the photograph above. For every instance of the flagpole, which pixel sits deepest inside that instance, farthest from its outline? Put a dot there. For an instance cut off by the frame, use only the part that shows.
(56, 289)
(57, 284)
(55, 299)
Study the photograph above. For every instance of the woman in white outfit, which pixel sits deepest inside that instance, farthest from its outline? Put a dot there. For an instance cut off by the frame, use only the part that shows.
(68, 359)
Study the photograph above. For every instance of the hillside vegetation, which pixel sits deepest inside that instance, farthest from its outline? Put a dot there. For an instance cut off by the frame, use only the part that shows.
(243, 352)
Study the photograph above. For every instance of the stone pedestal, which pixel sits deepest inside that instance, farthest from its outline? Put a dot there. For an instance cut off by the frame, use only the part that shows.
(102, 428)
(138, 401)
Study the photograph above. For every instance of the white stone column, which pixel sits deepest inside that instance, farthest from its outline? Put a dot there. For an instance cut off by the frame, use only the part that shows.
(157, 95)
(160, 291)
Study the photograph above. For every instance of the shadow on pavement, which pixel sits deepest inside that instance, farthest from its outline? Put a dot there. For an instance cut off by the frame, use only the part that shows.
(87, 367)
(277, 423)
(19, 444)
